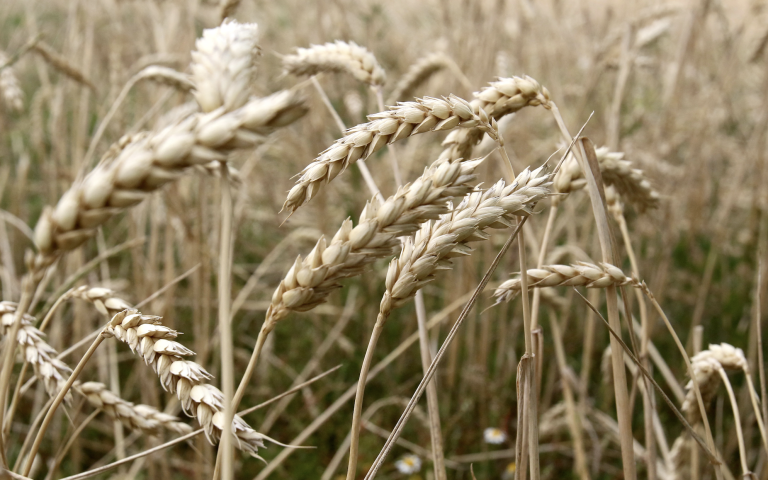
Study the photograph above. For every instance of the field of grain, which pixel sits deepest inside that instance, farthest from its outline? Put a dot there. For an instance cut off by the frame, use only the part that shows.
(383, 239)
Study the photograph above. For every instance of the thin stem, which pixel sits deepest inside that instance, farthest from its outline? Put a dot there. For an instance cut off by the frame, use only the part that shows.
(358, 409)
(443, 348)
(758, 414)
(49, 315)
(57, 401)
(226, 450)
(539, 262)
(530, 384)
(28, 290)
(15, 399)
(65, 448)
(736, 420)
(263, 334)
(433, 409)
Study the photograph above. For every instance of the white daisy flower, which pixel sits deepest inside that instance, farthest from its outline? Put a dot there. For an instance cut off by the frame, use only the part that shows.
(408, 464)
(494, 436)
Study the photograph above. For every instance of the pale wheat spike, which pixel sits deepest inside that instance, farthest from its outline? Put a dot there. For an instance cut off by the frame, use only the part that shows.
(417, 74)
(581, 274)
(499, 98)
(630, 182)
(146, 162)
(338, 56)
(705, 374)
(61, 64)
(142, 417)
(154, 343)
(308, 283)
(405, 120)
(106, 301)
(437, 242)
(13, 97)
(680, 457)
(54, 374)
(223, 65)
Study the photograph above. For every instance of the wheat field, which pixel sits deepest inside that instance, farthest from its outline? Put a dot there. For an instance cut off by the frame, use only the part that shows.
(383, 239)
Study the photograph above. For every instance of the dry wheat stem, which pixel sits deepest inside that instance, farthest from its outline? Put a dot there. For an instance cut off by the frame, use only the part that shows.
(629, 182)
(338, 56)
(433, 247)
(223, 65)
(147, 161)
(188, 380)
(404, 120)
(581, 274)
(9, 86)
(736, 420)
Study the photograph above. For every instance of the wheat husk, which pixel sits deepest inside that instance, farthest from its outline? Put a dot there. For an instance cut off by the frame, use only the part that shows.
(338, 56)
(10, 90)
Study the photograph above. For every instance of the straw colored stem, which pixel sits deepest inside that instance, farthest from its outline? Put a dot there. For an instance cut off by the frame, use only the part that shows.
(539, 262)
(737, 422)
(72, 438)
(433, 408)
(358, 409)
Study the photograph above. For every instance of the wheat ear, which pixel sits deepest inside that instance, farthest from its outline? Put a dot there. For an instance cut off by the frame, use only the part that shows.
(705, 374)
(223, 65)
(581, 274)
(146, 162)
(338, 56)
(629, 182)
(154, 343)
(417, 74)
(54, 374)
(497, 99)
(9, 85)
(402, 121)
(61, 64)
(431, 250)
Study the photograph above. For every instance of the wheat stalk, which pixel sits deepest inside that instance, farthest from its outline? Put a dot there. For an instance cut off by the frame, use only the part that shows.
(9, 85)
(145, 162)
(338, 56)
(581, 274)
(154, 343)
(54, 373)
(616, 171)
(405, 120)
(223, 65)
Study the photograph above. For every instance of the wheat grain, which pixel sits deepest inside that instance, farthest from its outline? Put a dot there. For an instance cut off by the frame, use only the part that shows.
(417, 74)
(154, 343)
(360, 142)
(630, 182)
(9, 85)
(581, 274)
(61, 64)
(105, 300)
(223, 64)
(338, 56)
(309, 281)
(705, 373)
(439, 241)
(145, 162)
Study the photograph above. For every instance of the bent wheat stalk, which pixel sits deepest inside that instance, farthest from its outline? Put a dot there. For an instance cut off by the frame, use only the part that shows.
(431, 250)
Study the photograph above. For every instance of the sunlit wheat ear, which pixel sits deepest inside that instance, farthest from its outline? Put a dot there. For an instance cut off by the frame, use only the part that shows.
(308, 283)
(705, 374)
(581, 274)
(106, 301)
(629, 182)
(439, 241)
(154, 343)
(360, 142)
(54, 374)
(223, 64)
(497, 99)
(147, 161)
(338, 56)
(12, 95)
(417, 74)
